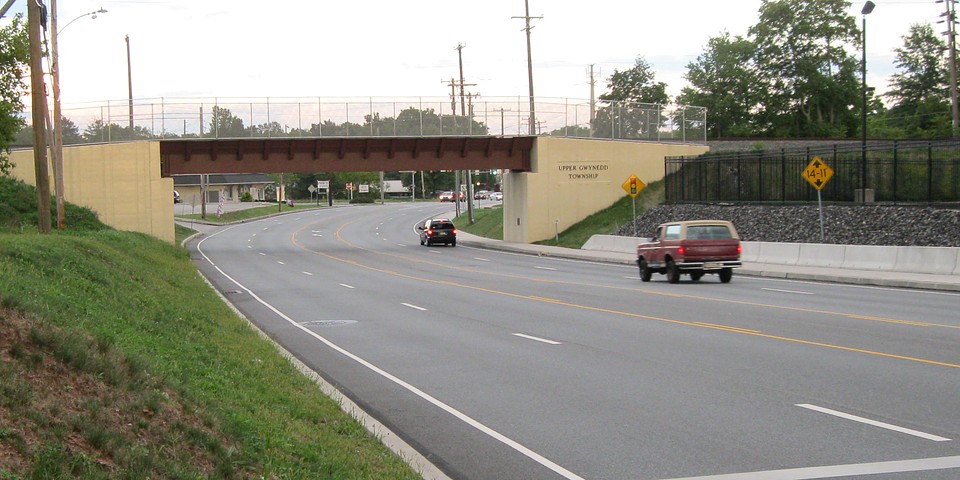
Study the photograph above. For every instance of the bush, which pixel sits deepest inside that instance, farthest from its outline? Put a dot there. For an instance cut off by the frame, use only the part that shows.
(246, 197)
(362, 200)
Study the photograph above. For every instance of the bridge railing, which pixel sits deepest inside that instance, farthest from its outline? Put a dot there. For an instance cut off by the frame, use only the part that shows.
(164, 117)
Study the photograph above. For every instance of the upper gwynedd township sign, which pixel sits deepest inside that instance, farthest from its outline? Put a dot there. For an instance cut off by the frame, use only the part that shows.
(583, 171)
(818, 173)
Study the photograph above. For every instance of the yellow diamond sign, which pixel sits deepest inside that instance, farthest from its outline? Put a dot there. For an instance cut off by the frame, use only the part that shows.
(633, 186)
(818, 173)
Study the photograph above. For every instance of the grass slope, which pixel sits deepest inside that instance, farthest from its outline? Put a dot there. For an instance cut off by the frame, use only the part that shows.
(118, 361)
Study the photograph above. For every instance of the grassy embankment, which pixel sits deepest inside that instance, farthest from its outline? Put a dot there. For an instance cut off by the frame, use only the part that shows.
(488, 222)
(118, 361)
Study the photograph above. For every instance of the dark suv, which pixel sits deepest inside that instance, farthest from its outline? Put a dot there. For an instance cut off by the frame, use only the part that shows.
(438, 230)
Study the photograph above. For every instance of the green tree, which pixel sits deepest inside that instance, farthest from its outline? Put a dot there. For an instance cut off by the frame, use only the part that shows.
(100, 132)
(70, 131)
(723, 80)
(812, 86)
(919, 90)
(14, 55)
(633, 104)
(224, 124)
(636, 85)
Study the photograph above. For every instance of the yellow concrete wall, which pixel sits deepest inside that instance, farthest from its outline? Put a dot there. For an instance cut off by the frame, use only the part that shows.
(570, 179)
(120, 181)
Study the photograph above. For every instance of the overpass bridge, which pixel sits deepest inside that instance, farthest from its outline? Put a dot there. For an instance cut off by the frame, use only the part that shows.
(550, 183)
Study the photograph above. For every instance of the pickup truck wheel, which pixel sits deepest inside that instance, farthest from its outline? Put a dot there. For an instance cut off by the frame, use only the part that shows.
(696, 276)
(645, 272)
(673, 273)
(726, 274)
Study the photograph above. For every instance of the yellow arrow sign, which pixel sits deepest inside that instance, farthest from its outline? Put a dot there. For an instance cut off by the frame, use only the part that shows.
(818, 173)
(633, 186)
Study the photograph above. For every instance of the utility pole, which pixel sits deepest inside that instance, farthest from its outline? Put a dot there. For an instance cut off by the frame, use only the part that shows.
(527, 17)
(463, 106)
(129, 83)
(951, 19)
(56, 149)
(593, 102)
(39, 104)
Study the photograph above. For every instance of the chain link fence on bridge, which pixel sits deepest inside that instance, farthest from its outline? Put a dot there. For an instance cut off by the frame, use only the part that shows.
(171, 117)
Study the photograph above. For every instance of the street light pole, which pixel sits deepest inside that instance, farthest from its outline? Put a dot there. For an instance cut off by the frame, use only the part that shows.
(57, 134)
(129, 83)
(867, 8)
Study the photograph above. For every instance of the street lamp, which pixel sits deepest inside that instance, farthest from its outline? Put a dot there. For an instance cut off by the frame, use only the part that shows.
(867, 8)
(91, 14)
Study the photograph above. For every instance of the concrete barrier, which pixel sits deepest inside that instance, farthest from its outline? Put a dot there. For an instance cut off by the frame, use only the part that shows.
(613, 243)
(870, 257)
(779, 253)
(956, 271)
(751, 251)
(821, 255)
(939, 260)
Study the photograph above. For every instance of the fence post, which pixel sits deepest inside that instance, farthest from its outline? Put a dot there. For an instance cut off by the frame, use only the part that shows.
(783, 175)
(929, 171)
(896, 148)
(739, 176)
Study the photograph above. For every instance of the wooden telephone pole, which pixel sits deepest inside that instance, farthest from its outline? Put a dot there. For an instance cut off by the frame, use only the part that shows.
(39, 103)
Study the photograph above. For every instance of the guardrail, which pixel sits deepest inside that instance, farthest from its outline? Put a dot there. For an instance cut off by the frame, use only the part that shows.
(930, 260)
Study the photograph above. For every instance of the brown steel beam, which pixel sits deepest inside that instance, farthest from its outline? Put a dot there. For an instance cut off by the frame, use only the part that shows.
(344, 154)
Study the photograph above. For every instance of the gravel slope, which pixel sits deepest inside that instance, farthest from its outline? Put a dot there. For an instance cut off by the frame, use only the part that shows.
(843, 224)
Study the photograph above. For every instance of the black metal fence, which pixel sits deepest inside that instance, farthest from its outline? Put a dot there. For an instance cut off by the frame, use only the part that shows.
(896, 171)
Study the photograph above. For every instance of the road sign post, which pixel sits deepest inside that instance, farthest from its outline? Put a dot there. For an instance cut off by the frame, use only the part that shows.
(633, 186)
(818, 173)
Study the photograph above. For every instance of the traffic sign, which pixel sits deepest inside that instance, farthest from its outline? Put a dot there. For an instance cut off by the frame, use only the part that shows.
(350, 186)
(633, 186)
(818, 173)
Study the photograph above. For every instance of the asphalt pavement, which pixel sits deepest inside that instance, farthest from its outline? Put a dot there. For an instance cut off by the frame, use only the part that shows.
(793, 272)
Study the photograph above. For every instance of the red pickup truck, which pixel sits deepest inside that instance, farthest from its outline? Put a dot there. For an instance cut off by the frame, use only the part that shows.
(692, 247)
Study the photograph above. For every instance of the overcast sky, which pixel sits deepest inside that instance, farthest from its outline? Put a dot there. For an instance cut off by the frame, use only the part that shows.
(390, 48)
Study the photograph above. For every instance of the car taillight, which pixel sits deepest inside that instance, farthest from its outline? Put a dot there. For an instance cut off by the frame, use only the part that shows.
(429, 231)
(681, 251)
(739, 249)
(454, 231)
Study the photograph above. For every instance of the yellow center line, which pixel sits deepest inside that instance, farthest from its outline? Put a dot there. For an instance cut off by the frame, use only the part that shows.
(742, 331)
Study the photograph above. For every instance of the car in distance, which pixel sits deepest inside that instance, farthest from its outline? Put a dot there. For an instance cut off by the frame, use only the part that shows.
(693, 248)
(176, 197)
(496, 196)
(446, 196)
(438, 230)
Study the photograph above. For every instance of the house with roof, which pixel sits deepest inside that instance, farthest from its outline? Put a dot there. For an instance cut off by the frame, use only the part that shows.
(233, 186)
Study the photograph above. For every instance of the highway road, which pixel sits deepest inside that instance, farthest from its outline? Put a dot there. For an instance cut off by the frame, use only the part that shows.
(505, 366)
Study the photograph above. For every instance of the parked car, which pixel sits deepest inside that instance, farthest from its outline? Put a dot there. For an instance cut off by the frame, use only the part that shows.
(176, 197)
(694, 247)
(438, 230)
(496, 196)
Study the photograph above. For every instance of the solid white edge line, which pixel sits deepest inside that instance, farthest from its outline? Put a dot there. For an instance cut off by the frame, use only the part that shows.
(307, 273)
(847, 416)
(834, 471)
(347, 286)
(545, 268)
(416, 391)
(538, 339)
(414, 307)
